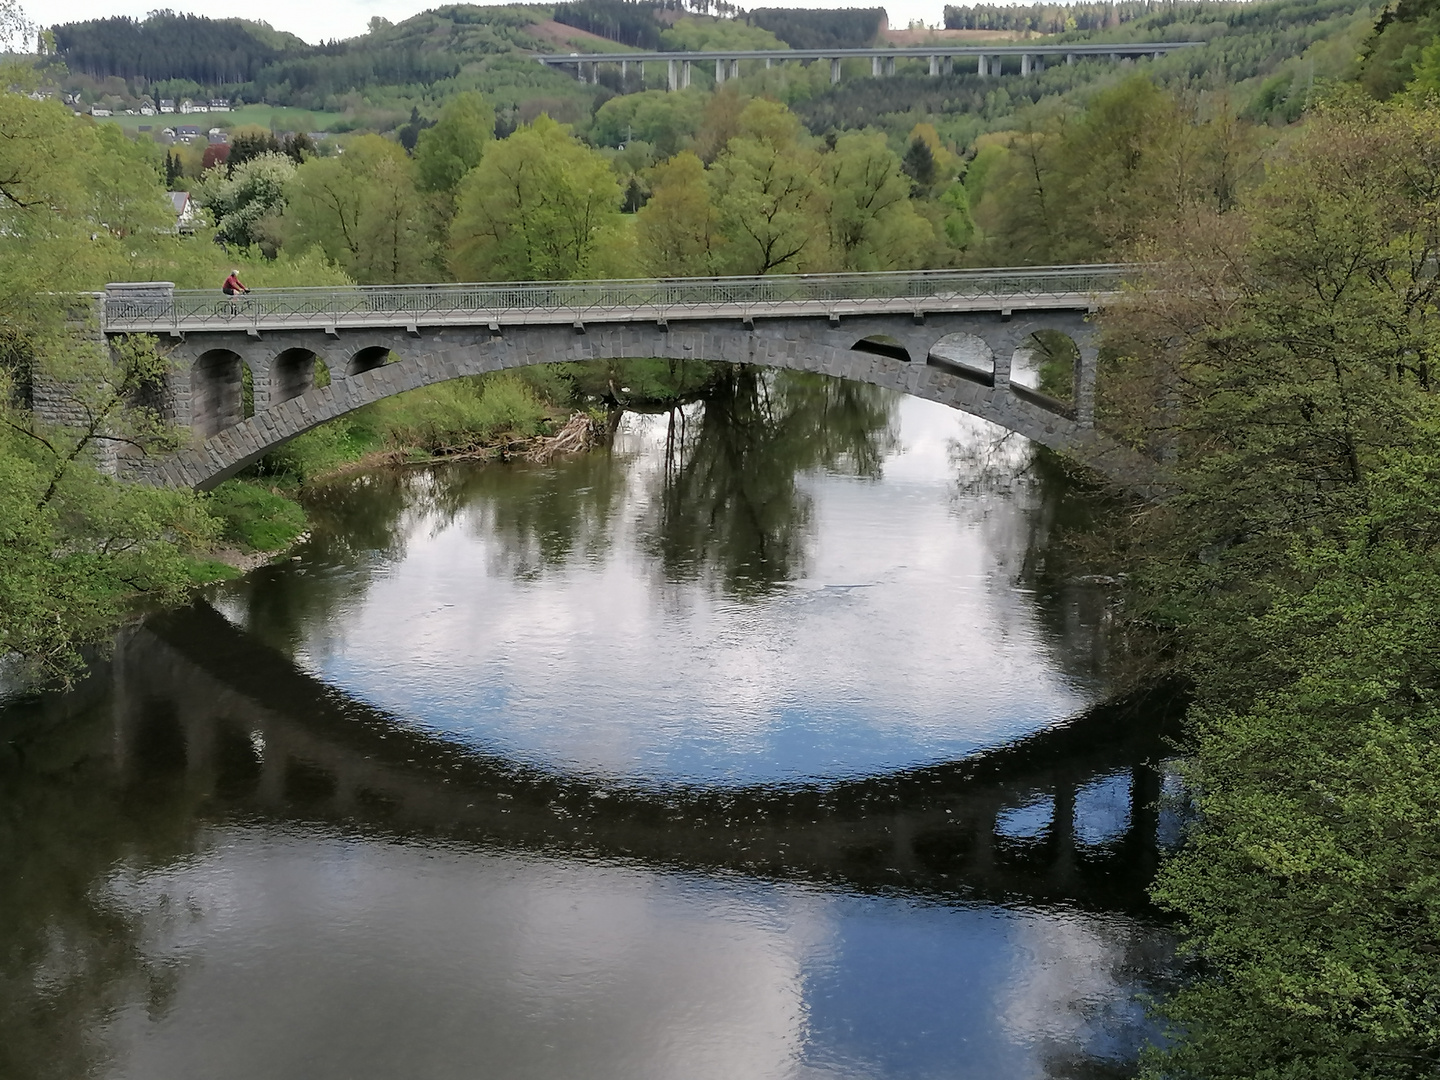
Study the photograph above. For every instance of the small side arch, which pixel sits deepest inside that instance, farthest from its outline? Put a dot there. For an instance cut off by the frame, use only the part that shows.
(217, 392)
(292, 373)
(882, 345)
(968, 356)
(367, 359)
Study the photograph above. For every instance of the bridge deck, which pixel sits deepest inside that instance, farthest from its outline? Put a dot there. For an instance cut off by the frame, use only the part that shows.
(1073, 48)
(157, 307)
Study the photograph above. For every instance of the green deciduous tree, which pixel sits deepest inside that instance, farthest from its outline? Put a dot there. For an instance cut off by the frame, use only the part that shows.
(445, 152)
(668, 121)
(1285, 361)
(1085, 187)
(768, 195)
(364, 211)
(539, 206)
(873, 224)
(677, 231)
(248, 202)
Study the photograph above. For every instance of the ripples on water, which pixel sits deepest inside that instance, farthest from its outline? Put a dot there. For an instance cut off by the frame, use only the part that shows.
(739, 751)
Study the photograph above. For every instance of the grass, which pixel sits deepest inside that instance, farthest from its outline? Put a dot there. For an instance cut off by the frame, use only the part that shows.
(273, 117)
(255, 517)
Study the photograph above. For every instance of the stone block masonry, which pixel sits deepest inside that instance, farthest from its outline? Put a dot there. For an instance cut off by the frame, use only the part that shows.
(896, 351)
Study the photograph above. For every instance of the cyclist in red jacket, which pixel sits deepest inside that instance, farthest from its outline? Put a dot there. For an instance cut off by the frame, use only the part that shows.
(233, 285)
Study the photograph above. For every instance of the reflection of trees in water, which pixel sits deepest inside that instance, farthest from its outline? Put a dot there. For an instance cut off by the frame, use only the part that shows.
(357, 523)
(69, 958)
(730, 504)
(1072, 601)
(535, 517)
(1039, 517)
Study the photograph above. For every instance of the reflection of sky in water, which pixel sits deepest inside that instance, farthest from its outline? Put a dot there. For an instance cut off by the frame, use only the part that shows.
(399, 960)
(903, 641)
(1027, 821)
(1102, 809)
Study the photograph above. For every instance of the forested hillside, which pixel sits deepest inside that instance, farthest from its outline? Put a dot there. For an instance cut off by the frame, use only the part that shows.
(1267, 57)
(211, 52)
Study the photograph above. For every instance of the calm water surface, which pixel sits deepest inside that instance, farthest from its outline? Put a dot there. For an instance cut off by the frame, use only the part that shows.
(753, 747)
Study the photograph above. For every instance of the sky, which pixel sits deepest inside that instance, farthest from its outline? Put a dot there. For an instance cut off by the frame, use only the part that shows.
(326, 19)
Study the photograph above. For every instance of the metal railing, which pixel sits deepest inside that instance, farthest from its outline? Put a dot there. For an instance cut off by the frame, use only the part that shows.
(157, 305)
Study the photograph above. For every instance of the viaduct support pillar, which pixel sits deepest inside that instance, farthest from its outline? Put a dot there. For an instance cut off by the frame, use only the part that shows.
(875, 67)
(685, 75)
(671, 79)
(934, 66)
(720, 67)
(734, 69)
(1024, 63)
(834, 70)
(983, 67)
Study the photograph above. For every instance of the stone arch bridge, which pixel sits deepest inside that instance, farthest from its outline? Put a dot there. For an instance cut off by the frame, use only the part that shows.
(948, 336)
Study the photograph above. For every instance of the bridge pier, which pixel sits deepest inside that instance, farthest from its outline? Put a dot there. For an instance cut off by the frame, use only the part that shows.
(1087, 364)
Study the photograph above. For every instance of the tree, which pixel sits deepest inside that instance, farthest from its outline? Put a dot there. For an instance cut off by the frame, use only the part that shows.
(248, 144)
(76, 203)
(919, 164)
(768, 195)
(537, 207)
(247, 204)
(445, 152)
(1088, 187)
(668, 121)
(873, 225)
(677, 229)
(1284, 356)
(364, 211)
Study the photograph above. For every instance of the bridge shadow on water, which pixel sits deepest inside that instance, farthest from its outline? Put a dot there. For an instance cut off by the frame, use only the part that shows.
(1066, 816)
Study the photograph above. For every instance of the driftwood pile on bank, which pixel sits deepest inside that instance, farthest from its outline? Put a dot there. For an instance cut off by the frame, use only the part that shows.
(579, 433)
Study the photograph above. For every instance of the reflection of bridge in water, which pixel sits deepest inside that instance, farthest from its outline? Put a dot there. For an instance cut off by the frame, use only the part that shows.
(262, 736)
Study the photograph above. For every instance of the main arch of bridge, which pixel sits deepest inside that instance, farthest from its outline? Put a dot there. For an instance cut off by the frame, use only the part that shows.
(892, 351)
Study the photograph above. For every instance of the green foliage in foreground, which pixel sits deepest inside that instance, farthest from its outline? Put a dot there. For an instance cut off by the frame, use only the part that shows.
(80, 547)
(1284, 361)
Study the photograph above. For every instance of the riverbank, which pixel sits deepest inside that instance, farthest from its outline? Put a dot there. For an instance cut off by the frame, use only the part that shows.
(537, 414)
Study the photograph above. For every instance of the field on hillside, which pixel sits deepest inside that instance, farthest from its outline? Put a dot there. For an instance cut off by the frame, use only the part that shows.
(270, 117)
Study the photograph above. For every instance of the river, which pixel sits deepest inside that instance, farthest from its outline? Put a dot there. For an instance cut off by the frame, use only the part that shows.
(759, 745)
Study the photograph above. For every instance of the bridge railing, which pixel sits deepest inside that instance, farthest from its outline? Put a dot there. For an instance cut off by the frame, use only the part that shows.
(152, 305)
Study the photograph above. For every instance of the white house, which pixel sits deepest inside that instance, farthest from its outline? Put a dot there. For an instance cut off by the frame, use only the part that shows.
(96, 110)
(188, 106)
(219, 104)
(184, 211)
(146, 109)
(167, 105)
